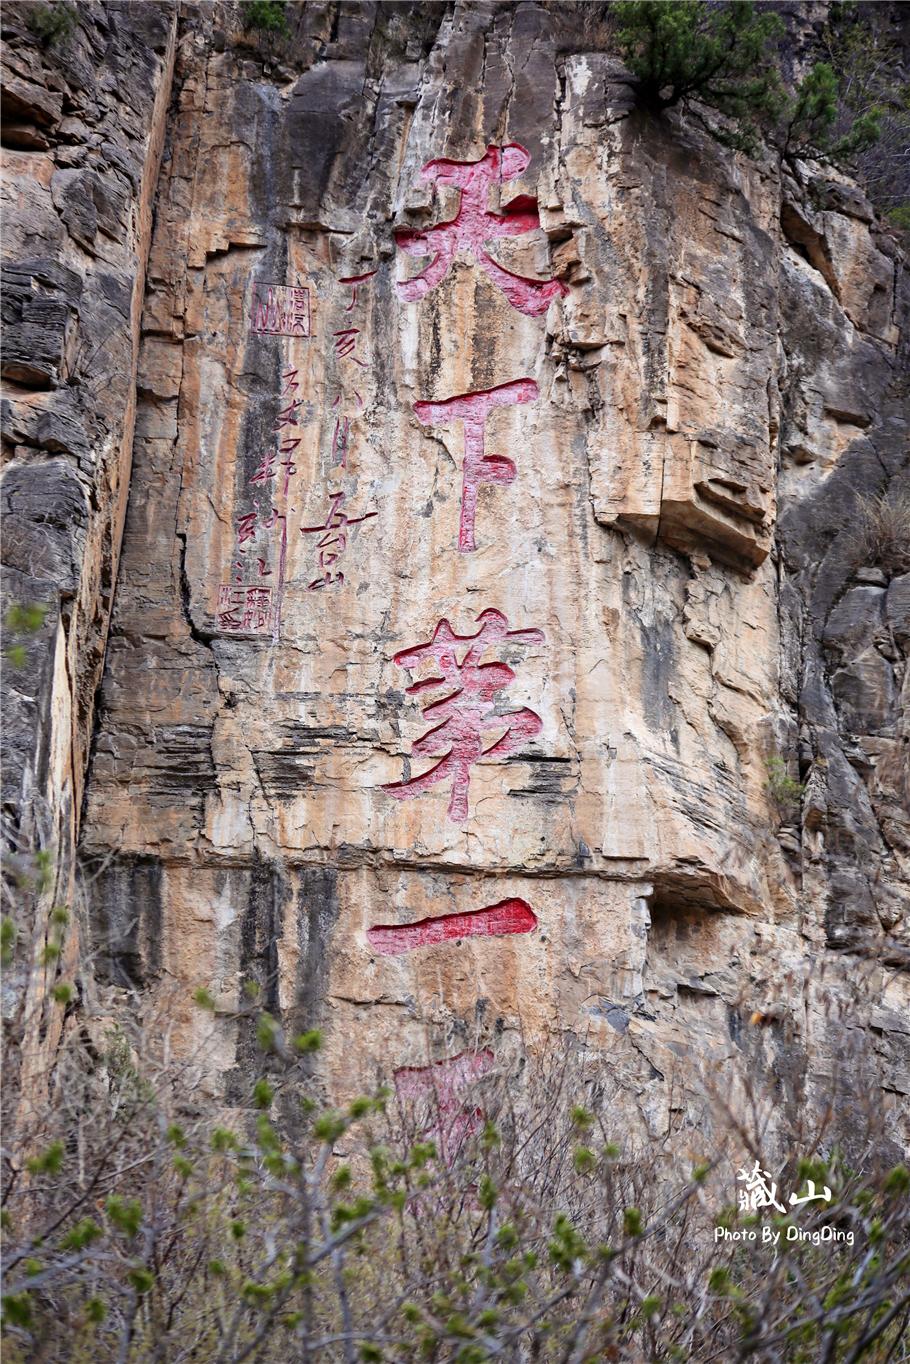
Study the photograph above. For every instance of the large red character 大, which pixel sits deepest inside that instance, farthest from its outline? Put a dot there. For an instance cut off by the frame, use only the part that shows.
(466, 712)
(474, 225)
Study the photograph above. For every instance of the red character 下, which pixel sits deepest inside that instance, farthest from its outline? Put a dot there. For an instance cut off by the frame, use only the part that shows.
(473, 409)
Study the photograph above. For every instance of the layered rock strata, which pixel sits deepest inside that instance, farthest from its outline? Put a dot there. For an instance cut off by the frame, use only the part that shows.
(84, 110)
(496, 462)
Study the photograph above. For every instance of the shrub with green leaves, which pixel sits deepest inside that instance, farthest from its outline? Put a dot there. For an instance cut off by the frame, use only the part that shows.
(686, 52)
(23, 620)
(786, 790)
(340, 1232)
(53, 24)
(267, 16)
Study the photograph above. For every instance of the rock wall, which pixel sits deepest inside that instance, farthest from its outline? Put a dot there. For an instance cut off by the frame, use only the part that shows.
(83, 123)
(495, 461)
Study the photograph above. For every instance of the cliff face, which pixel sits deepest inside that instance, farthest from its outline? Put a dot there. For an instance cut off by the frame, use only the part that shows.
(82, 131)
(496, 462)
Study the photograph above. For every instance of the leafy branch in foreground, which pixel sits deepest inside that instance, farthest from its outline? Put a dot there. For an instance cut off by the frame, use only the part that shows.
(865, 51)
(810, 117)
(136, 1230)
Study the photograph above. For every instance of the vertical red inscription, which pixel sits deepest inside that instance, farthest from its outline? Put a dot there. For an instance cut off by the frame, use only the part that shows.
(346, 345)
(333, 540)
(461, 716)
(473, 409)
(346, 342)
(508, 916)
(255, 608)
(474, 225)
(444, 1083)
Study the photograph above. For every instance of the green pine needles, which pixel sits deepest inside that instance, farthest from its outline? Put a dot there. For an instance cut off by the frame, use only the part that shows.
(725, 60)
(719, 55)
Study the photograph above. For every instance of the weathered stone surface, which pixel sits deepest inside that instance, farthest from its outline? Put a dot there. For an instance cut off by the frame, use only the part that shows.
(75, 241)
(842, 247)
(672, 387)
(705, 389)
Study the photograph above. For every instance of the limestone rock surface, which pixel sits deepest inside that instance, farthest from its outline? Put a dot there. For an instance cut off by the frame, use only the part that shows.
(83, 128)
(496, 462)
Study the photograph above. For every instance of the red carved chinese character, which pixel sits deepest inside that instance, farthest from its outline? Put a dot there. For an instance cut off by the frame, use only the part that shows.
(333, 540)
(473, 409)
(474, 225)
(230, 602)
(354, 280)
(258, 609)
(246, 527)
(461, 717)
(266, 469)
(340, 440)
(287, 448)
(289, 468)
(288, 415)
(444, 1085)
(265, 310)
(346, 344)
(300, 311)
